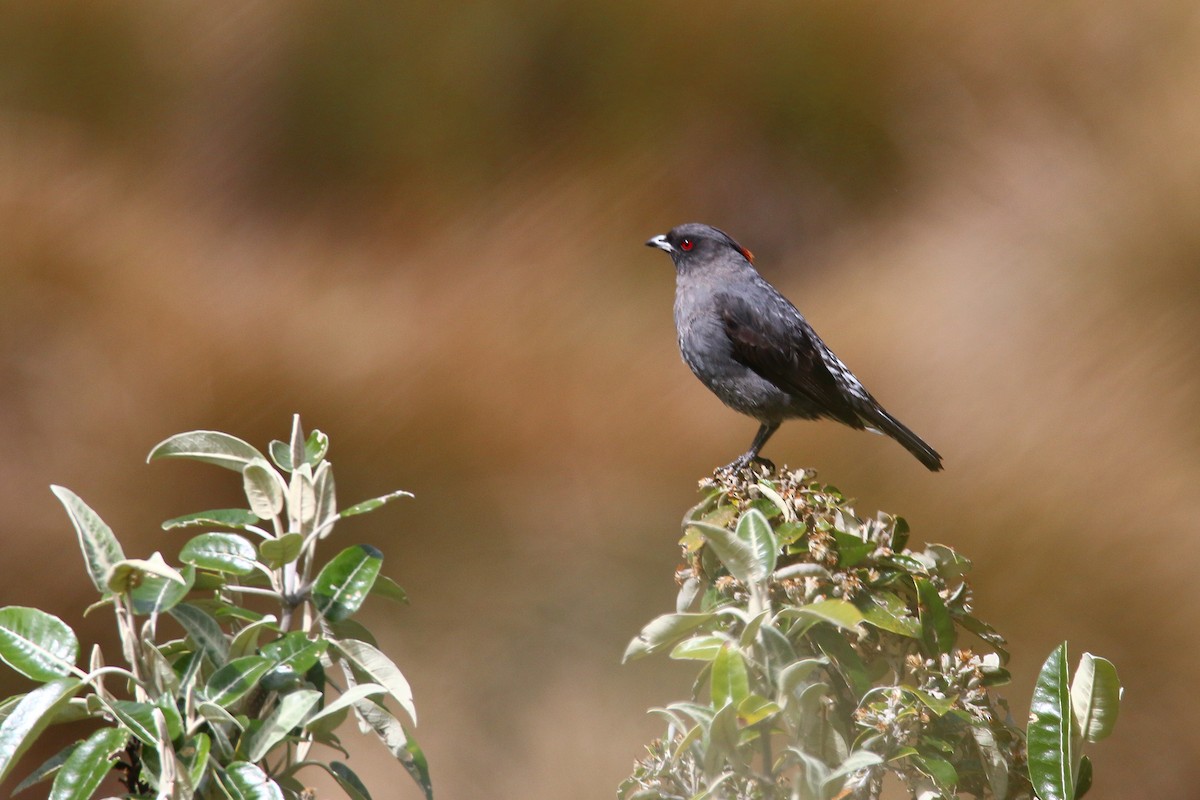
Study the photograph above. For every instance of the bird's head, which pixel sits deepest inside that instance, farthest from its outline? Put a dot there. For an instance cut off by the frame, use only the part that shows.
(694, 244)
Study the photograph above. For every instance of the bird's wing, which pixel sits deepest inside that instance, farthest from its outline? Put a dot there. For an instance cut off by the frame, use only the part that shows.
(773, 340)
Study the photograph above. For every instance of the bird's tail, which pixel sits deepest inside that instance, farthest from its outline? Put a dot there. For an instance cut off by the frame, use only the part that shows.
(887, 424)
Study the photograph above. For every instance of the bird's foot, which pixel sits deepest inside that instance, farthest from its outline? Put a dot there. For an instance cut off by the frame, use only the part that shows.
(743, 462)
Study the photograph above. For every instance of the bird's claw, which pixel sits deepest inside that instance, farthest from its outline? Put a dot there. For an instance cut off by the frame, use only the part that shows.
(743, 462)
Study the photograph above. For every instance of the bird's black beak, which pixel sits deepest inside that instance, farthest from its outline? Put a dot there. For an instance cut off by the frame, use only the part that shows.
(660, 242)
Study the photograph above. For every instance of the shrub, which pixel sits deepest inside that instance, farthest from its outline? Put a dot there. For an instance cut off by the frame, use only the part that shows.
(228, 698)
(831, 655)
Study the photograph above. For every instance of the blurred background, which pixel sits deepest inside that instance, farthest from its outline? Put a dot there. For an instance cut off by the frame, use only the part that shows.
(420, 225)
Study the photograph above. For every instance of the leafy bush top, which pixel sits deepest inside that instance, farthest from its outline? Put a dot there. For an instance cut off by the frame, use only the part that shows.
(831, 654)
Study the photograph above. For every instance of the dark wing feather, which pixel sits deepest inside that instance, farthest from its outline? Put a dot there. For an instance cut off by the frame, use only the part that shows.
(772, 339)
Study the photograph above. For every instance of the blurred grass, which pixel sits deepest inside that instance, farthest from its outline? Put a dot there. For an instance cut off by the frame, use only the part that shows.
(420, 225)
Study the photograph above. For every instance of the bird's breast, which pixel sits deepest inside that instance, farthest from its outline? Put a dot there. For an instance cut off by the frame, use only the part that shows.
(702, 340)
(708, 352)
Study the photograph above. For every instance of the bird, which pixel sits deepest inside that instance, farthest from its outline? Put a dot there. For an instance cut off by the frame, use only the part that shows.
(756, 352)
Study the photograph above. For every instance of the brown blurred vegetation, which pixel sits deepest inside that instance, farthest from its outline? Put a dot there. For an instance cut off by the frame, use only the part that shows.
(420, 225)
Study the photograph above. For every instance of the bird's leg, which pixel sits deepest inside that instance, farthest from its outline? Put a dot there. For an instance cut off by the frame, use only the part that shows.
(764, 432)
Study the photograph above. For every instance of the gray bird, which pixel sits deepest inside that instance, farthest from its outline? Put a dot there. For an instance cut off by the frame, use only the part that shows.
(756, 352)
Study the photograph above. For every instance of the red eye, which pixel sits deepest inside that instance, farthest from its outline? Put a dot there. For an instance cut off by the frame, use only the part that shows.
(686, 244)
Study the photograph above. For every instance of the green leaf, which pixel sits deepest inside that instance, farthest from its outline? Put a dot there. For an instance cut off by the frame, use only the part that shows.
(833, 783)
(245, 642)
(995, 763)
(802, 569)
(755, 708)
(398, 742)
(848, 663)
(689, 590)
(839, 613)
(906, 562)
(662, 632)
(792, 677)
(296, 651)
(75, 709)
(88, 764)
(343, 584)
(236, 518)
(754, 530)
(264, 488)
(730, 682)
(350, 783)
(159, 671)
(1052, 731)
(888, 612)
(700, 714)
(219, 552)
(388, 589)
(219, 717)
(706, 511)
(281, 454)
(723, 737)
(296, 446)
(282, 679)
(789, 514)
(316, 447)
(291, 709)
(1095, 697)
(345, 700)
(100, 547)
(699, 648)
(302, 500)
(194, 754)
(221, 725)
(754, 627)
(156, 594)
(351, 629)
(128, 574)
(789, 533)
(900, 533)
(736, 554)
(232, 681)
(938, 768)
(1084, 781)
(323, 728)
(940, 706)
(814, 770)
(211, 447)
(139, 718)
(326, 498)
(204, 631)
(231, 612)
(48, 768)
(379, 668)
(987, 633)
(38, 645)
(284, 550)
(371, 505)
(245, 781)
(937, 626)
(31, 715)
(950, 565)
(694, 734)
(851, 549)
